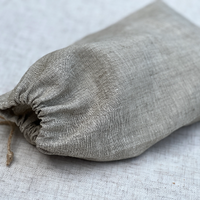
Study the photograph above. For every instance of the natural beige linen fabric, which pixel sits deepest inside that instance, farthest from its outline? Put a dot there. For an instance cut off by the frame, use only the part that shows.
(114, 93)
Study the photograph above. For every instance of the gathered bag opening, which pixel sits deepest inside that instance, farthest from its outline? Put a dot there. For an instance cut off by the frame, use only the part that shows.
(26, 119)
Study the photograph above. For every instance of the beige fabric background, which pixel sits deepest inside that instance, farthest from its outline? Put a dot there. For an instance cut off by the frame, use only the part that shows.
(168, 170)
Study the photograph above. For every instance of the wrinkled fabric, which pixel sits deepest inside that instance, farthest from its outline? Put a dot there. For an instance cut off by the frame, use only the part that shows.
(114, 93)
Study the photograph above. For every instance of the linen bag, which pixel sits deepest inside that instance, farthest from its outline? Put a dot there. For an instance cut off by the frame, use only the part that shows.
(114, 93)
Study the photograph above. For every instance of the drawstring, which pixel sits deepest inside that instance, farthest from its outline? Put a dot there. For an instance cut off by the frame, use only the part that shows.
(10, 154)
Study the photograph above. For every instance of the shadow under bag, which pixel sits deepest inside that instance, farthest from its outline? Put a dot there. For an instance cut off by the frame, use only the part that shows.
(114, 93)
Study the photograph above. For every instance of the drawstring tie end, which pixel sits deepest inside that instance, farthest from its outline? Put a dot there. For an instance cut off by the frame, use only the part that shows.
(10, 154)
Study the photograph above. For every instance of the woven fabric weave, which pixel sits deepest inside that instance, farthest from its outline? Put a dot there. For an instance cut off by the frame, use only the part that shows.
(114, 93)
